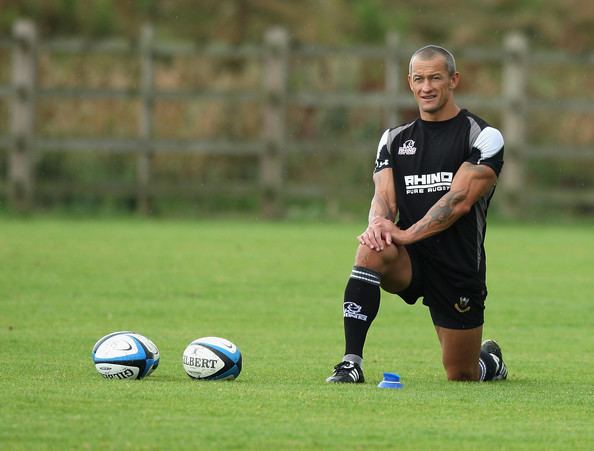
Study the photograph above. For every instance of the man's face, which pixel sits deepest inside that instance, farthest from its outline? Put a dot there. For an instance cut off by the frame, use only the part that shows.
(431, 84)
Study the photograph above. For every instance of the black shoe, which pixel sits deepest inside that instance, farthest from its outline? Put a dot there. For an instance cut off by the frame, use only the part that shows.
(492, 347)
(347, 372)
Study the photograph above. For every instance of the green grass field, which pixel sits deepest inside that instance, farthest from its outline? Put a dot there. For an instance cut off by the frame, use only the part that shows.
(276, 291)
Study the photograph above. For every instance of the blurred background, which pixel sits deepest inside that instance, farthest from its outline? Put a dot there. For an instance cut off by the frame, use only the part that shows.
(274, 108)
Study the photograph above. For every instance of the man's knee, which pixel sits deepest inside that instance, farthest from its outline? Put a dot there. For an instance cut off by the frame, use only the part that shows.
(460, 352)
(377, 261)
(462, 374)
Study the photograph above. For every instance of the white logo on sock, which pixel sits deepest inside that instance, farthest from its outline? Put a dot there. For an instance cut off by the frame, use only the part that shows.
(351, 310)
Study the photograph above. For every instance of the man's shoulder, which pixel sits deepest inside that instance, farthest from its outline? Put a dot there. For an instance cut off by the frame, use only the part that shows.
(481, 133)
(400, 130)
(474, 120)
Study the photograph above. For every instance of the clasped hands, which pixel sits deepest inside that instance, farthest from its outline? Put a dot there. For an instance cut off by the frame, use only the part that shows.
(382, 232)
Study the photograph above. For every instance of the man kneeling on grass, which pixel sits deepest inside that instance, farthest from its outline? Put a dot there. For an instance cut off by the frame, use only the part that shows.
(437, 175)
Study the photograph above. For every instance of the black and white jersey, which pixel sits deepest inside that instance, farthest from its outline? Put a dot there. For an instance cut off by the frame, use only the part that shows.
(424, 157)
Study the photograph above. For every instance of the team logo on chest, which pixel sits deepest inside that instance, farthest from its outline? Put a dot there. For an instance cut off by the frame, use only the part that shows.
(428, 183)
(408, 148)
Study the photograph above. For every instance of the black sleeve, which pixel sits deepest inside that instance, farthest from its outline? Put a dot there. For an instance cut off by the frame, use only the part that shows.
(382, 159)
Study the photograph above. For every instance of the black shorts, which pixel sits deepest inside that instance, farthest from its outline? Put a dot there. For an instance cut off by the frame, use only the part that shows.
(452, 307)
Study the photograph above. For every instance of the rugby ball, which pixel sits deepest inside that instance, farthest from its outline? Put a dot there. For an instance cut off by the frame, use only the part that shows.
(212, 358)
(125, 355)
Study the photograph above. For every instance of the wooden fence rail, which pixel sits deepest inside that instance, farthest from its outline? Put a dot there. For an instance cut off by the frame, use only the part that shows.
(274, 98)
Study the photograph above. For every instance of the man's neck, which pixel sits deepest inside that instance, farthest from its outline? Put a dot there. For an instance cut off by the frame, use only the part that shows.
(444, 114)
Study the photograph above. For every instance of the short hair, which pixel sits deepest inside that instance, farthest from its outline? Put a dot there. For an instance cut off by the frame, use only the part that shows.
(429, 51)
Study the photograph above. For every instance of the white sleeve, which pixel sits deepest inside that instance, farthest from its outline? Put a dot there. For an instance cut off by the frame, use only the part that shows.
(489, 142)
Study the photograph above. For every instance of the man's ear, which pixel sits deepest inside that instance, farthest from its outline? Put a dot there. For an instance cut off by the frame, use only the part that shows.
(454, 80)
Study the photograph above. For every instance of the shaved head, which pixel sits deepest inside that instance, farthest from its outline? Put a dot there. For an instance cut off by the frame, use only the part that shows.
(431, 51)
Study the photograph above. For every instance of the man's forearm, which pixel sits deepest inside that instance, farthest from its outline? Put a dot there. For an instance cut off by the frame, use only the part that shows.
(439, 217)
(380, 208)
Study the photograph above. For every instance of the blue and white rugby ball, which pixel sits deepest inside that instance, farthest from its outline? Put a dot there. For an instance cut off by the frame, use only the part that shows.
(212, 358)
(125, 355)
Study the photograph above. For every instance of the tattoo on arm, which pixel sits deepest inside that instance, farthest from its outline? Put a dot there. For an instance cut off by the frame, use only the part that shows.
(441, 213)
(474, 181)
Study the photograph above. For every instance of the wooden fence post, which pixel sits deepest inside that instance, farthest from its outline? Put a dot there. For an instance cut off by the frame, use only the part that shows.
(273, 156)
(392, 79)
(24, 76)
(147, 102)
(514, 122)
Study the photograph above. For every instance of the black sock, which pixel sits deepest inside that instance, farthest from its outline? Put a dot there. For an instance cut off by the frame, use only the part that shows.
(361, 304)
(488, 365)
